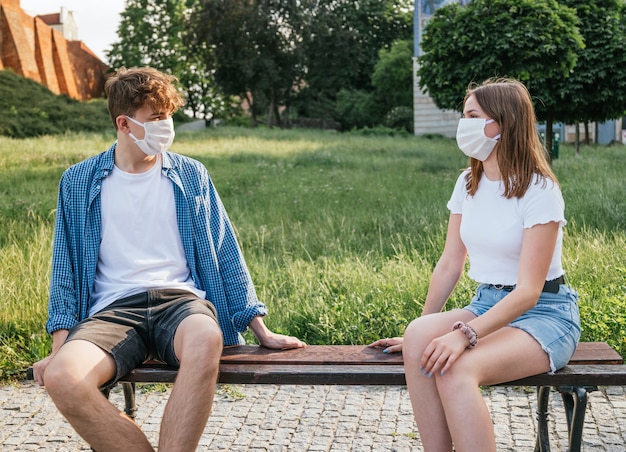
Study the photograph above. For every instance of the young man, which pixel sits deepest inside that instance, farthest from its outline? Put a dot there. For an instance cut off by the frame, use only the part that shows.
(145, 264)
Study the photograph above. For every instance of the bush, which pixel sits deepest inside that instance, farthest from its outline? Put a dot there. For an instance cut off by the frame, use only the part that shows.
(307, 104)
(33, 110)
(356, 109)
(400, 118)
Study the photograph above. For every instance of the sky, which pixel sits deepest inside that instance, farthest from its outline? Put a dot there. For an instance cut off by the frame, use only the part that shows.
(97, 20)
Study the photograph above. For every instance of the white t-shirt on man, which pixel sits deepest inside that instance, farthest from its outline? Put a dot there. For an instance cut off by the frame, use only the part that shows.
(140, 246)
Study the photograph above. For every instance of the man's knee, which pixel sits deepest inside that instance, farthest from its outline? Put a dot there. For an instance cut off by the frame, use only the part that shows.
(198, 337)
(78, 369)
(58, 379)
(66, 388)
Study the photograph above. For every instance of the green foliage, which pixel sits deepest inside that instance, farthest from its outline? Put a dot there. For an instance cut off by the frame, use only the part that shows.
(535, 41)
(400, 118)
(602, 207)
(262, 51)
(25, 263)
(600, 280)
(156, 33)
(345, 38)
(151, 34)
(393, 75)
(19, 348)
(393, 83)
(30, 109)
(233, 392)
(255, 49)
(340, 231)
(596, 88)
(356, 109)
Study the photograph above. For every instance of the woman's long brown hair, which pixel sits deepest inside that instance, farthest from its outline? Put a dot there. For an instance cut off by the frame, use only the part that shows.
(520, 152)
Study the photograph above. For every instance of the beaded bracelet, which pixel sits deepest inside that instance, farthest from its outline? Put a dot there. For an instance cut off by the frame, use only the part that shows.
(468, 331)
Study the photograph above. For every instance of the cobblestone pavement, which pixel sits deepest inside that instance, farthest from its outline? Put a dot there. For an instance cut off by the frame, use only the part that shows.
(314, 418)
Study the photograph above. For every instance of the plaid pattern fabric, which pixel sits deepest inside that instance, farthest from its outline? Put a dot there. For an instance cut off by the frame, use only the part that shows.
(215, 260)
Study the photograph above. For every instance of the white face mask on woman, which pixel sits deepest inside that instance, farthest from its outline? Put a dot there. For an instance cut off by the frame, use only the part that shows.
(471, 138)
(158, 137)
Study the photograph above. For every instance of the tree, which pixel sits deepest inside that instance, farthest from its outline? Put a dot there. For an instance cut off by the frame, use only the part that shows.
(255, 46)
(272, 52)
(342, 47)
(596, 89)
(154, 33)
(393, 81)
(534, 41)
(151, 33)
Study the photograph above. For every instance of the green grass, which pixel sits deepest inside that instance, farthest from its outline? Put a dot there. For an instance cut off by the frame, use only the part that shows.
(340, 231)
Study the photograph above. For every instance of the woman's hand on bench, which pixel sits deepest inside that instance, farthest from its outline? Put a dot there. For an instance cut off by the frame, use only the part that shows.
(393, 345)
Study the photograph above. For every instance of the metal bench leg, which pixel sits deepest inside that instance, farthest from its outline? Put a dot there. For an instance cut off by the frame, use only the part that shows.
(543, 438)
(575, 402)
(130, 407)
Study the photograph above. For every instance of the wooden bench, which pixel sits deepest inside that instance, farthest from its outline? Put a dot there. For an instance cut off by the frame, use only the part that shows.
(594, 364)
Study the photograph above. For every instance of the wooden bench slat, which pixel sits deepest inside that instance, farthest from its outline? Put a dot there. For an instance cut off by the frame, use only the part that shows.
(313, 354)
(586, 353)
(595, 353)
(312, 375)
(346, 374)
(594, 363)
(307, 374)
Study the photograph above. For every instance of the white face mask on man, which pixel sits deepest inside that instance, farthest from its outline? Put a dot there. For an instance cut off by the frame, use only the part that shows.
(158, 137)
(471, 138)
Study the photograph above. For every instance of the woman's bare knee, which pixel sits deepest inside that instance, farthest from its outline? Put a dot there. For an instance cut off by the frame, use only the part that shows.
(457, 380)
(414, 340)
(421, 331)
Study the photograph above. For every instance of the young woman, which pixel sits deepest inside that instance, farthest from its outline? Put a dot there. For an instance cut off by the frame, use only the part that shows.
(506, 215)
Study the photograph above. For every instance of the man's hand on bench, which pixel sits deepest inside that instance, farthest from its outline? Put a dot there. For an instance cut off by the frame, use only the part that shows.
(269, 339)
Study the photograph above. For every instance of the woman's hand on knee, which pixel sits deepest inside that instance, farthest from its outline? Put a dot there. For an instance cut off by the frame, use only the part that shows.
(442, 352)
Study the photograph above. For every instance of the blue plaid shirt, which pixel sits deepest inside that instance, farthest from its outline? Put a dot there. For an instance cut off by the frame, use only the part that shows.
(215, 260)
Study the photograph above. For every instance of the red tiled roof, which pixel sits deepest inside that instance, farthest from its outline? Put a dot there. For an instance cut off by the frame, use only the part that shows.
(51, 19)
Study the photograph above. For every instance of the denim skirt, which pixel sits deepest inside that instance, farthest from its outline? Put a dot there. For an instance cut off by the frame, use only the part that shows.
(554, 322)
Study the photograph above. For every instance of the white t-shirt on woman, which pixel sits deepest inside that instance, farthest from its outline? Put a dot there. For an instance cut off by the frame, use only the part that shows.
(492, 226)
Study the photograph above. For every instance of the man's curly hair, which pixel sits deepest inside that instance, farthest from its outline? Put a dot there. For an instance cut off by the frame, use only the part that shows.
(131, 89)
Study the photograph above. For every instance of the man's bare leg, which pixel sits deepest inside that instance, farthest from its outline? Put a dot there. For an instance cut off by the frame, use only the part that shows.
(198, 346)
(73, 379)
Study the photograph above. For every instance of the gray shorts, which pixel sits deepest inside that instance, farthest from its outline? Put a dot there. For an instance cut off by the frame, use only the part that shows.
(140, 327)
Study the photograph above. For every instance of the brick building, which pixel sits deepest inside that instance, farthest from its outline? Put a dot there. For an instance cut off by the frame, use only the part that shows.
(36, 48)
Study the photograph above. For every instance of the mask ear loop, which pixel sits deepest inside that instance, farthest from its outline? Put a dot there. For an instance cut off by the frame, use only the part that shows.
(142, 124)
(489, 121)
(132, 135)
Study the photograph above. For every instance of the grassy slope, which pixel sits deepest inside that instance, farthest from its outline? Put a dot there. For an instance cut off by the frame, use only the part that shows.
(29, 109)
